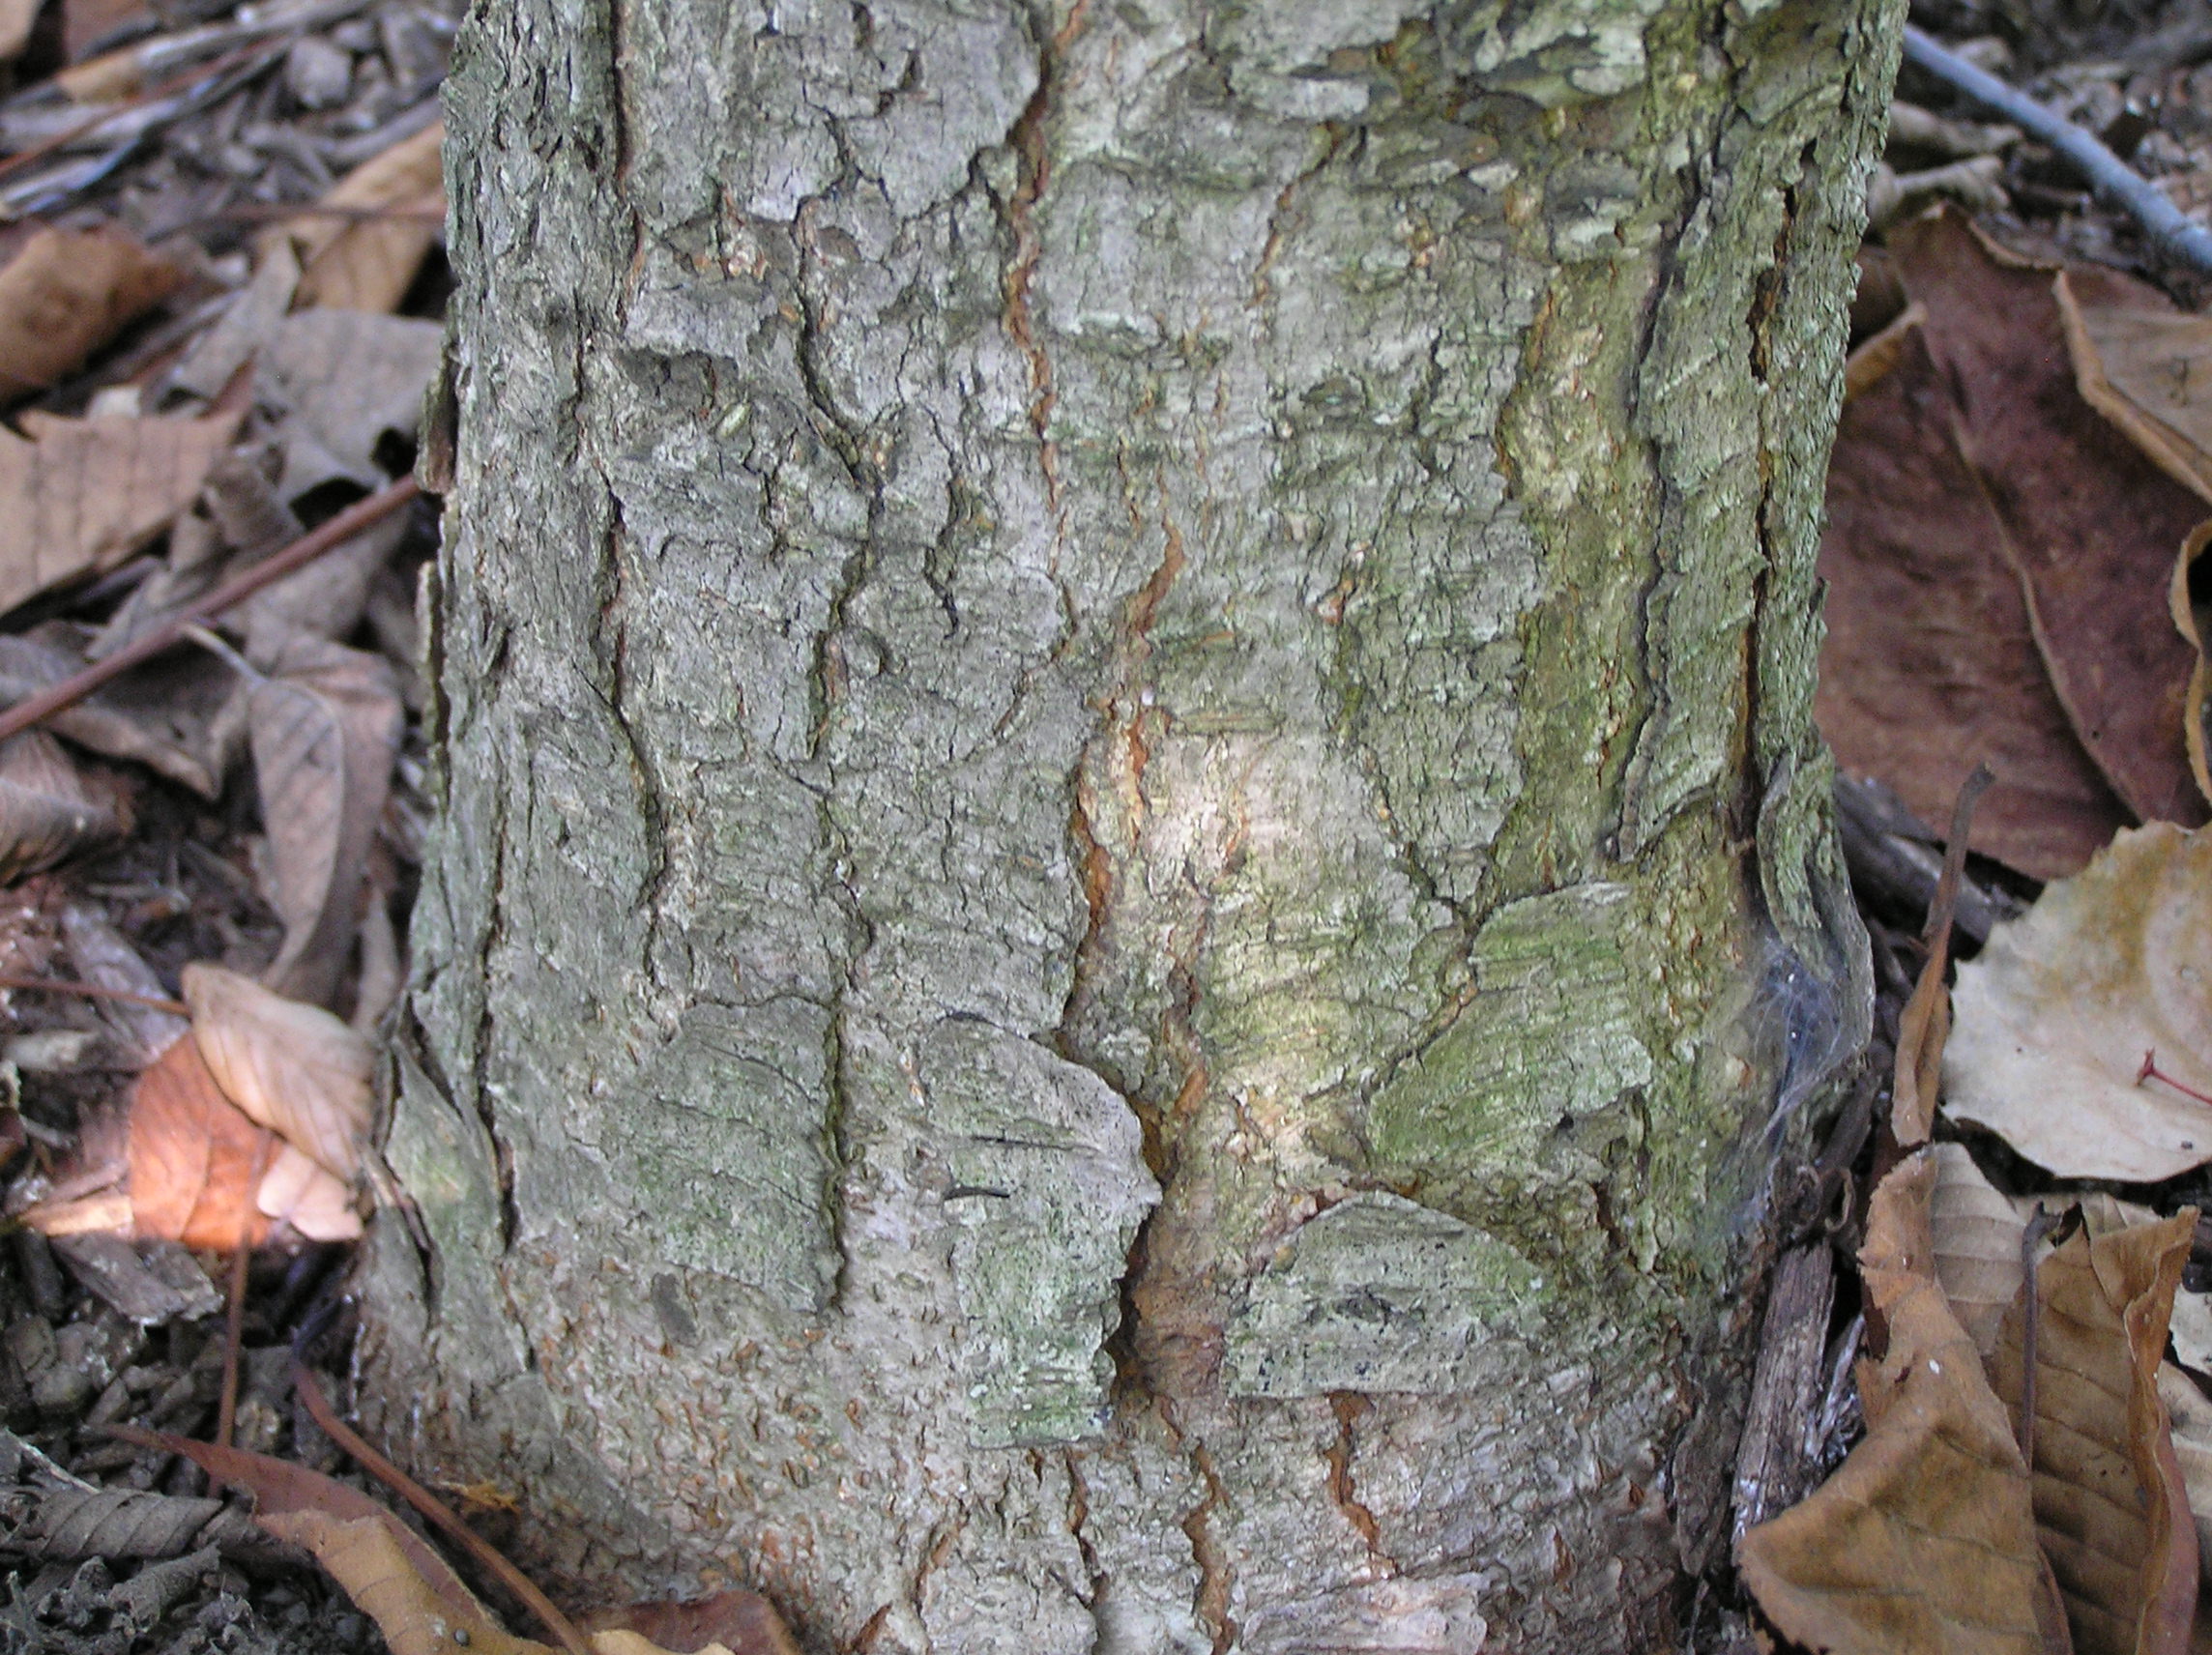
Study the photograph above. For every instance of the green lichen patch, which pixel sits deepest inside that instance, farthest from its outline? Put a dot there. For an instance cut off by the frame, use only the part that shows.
(1047, 1187)
(1553, 1033)
(1380, 1294)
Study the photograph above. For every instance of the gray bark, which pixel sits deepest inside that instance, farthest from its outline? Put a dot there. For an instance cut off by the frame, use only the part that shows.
(1132, 855)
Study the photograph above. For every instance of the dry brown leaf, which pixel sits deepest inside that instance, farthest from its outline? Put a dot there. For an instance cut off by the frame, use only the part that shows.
(1870, 364)
(248, 323)
(66, 293)
(393, 1573)
(2145, 365)
(1924, 1538)
(324, 728)
(326, 598)
(2109, 1500)
(349, 382)
(2090, 522)
(2189, 1418)
(84, 494)
(365, 1557)
(2056, 1017)
(2189, 601)
(194, 1157)
(47, 813)
(1975, 1231)
(299, 1191)
(368, 265)
(1926, 1021)
(160, 733)
(293, 1067)
(737, 1622)
(104, 955)
(281, 1489)
(1930, 663)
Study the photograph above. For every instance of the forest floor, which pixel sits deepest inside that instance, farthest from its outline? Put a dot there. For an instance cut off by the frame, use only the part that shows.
(220, 292)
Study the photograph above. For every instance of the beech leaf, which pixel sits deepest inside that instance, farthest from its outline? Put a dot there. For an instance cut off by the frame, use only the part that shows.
(346, 379)
(310, 1196)
(1974, 1229)
(393, 1575)
(158, 733)
(84, 494)
(1924, 1539)
(293, 1067)
(64, 293)
(2055, 1019)
(2109, 1506)
(369, 264)
(2145, 365)
(2089, 522)
(1930, 664)
(193, 1156)
(324, 728)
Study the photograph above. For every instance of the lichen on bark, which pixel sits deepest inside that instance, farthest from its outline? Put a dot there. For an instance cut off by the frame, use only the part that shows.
(1120, 705)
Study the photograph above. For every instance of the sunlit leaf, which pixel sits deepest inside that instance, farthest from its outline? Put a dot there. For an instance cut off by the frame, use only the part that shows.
(2055, 1018)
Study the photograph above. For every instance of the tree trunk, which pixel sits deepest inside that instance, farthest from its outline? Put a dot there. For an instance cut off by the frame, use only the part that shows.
(1134, 887)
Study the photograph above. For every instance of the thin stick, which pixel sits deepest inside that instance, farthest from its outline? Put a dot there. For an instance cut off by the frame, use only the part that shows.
(2116, 184)
(260, 213)
(319, 1409)
(234, 1314)
(95, 991)
(361, 514)
(178, 83)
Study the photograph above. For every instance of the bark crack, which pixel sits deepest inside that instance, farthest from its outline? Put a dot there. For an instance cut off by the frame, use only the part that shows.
(1349, 1408)
(1033, 157)
(1216, 1578)
(1078, 1528)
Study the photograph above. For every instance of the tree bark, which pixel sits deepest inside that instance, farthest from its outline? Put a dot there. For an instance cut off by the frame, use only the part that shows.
(1134, 888)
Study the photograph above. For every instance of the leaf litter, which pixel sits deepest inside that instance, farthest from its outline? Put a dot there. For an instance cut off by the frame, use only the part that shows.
(2019, 502)
(212, 844)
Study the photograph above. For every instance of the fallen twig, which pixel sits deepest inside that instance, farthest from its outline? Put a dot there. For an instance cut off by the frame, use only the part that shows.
(319, 1409)
(93, 991)
(2115, 182)
(361, 514)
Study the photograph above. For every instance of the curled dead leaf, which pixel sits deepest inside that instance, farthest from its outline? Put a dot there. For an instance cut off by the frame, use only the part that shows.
(1930, 663)
(1974, 1229)
(2056, 1017)
(47, 812)
(1924, 1538)
(154, 731)
(2143, 365)
(293, 1067)
(310, 1196)
(2109, 1506)
(369, 264)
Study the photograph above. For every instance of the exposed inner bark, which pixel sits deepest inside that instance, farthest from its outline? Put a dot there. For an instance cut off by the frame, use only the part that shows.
(1133, 849)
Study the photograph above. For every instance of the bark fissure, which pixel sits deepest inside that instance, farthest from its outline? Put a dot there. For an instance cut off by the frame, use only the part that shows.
(1349, 1408)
